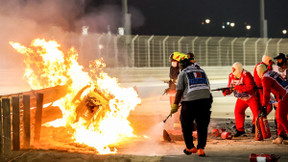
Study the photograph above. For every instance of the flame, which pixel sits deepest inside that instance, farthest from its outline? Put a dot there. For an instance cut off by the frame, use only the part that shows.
(105, 123)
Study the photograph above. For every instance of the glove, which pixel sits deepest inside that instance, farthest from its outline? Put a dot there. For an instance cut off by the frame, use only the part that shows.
(166, 91)
(174, 109)
(264, 111)
(224, 92)
(227, 91)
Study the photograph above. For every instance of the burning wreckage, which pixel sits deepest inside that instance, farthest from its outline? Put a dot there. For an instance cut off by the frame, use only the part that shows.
(93, 106)
(91, 103)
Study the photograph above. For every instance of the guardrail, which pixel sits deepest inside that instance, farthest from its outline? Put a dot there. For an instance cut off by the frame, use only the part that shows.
(15, 109)
(23, 113)
(162, 73)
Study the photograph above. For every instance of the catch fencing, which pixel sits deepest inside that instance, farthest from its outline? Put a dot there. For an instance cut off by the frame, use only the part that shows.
(154, 51)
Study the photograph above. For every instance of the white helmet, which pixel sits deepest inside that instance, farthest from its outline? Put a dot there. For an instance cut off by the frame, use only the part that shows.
(261, 68)
(238, 69)
(266, 59)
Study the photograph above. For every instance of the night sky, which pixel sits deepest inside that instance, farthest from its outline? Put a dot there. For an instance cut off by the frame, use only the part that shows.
(184, 17)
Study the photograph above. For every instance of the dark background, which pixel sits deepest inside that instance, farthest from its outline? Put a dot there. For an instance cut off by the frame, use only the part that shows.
(184, 17)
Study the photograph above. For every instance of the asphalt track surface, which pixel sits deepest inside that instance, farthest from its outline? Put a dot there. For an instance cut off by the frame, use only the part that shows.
(156, 106)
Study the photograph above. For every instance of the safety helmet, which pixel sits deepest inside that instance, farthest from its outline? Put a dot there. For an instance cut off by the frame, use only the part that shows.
(266, 59)
(261, 68)
(238, 69)
(177, 56)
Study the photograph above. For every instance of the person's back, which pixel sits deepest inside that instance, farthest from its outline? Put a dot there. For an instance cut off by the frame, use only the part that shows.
(194, 89)
(275, 84)
(198, 86)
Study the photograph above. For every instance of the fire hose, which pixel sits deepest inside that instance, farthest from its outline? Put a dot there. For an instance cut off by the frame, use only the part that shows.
(166, 118)
(170, 115)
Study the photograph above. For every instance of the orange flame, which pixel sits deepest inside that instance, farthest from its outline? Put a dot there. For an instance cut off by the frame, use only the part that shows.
(106, 123)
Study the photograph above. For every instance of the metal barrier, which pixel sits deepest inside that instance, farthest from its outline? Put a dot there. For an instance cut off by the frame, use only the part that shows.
(154, 51)
(17, 113)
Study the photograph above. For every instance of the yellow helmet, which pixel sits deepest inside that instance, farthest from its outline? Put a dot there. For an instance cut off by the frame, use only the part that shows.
(177, 56)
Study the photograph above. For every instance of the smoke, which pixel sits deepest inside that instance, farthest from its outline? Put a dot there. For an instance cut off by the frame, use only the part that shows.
(154, 145)
(44, 13)
(24, 20)
(61, 20)
(138, 18)
(101, 18)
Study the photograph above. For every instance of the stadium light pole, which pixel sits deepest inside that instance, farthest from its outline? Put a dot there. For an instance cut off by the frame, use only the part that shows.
(263, 21)
(126, 18)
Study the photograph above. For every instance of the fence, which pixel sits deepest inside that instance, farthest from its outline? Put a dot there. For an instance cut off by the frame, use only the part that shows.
(154, 51)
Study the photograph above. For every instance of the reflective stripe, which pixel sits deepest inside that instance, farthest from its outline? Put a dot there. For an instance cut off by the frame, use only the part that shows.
(277, 77)
(196, 79)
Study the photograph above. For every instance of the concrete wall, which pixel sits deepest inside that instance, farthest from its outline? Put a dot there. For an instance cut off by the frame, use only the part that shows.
(160, 73)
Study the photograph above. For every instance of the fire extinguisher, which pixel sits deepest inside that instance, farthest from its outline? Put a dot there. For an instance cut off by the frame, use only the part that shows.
(263, 157)
(226, 135)
(264, 127)
(258, 133)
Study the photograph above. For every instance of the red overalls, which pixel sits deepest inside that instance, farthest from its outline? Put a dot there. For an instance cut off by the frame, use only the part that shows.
(247, 95)
(258, 82)
(273, 82)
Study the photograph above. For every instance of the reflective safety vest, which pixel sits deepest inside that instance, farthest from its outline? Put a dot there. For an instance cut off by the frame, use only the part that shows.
(196, 78)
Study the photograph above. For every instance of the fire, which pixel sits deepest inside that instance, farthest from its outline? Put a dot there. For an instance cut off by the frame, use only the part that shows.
(95, 108)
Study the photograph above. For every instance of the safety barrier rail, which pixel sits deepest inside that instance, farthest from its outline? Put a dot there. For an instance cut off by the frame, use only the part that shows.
(15, 113)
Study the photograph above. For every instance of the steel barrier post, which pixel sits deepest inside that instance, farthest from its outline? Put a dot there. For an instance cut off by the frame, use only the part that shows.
(133, 50)
(99, 47)
(267, 44)
(256, 48)
(38, 117)
(244, 51)
(206, 50)
(179, 44)
(232, 50)
(219, 51)
(278, 45)
(26, 122)
(164, 50)
(193, 44)
(6, 125)
(116, 50)
(16, 123)
(149, 51)
(1, 128)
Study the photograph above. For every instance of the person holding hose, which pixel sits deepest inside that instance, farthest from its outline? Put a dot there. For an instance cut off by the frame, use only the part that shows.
(194, 89)
(245, 90)
(175, 57)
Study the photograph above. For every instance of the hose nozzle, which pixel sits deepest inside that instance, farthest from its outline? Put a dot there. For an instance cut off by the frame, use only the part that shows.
(166, 118)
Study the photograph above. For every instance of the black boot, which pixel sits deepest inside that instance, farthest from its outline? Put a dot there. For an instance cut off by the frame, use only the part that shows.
(253, 128)
(187, 152)
(284, 137)
(239, 133)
